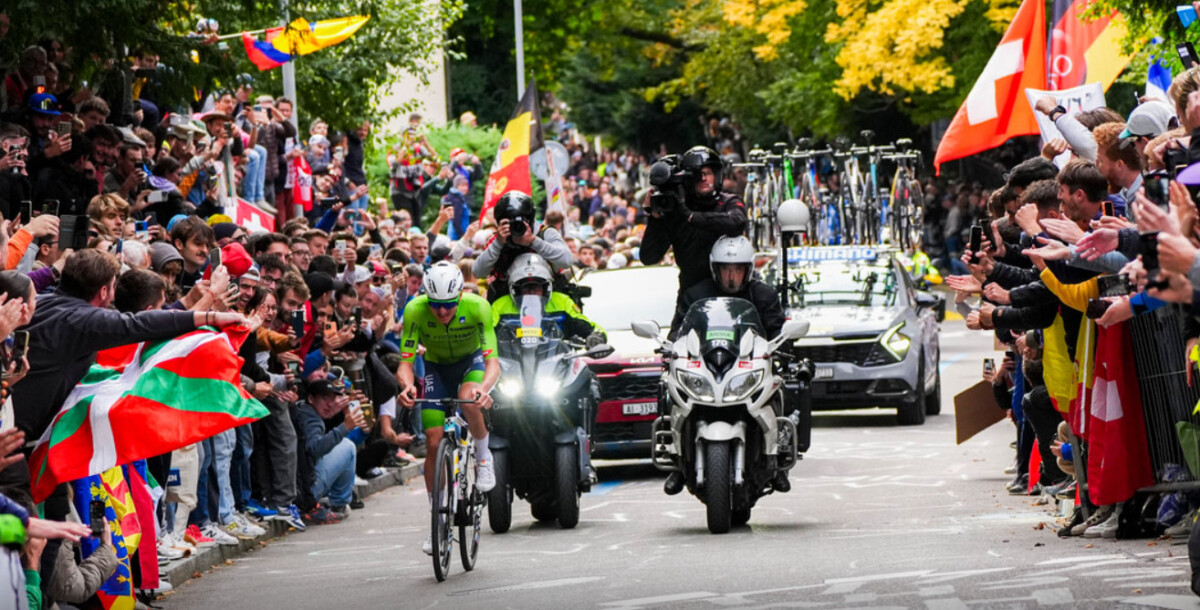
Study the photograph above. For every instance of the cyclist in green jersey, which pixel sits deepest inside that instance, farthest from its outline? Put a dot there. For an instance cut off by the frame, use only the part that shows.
(460, 361)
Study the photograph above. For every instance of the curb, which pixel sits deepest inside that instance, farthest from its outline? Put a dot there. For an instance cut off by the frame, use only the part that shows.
(182, 570)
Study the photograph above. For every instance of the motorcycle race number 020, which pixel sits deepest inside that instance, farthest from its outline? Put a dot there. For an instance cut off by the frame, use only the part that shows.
(540, 438)
(727, 428)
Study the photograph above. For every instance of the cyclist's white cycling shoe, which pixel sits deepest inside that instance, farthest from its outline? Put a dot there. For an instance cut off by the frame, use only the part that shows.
(427, 548)
(485, 476)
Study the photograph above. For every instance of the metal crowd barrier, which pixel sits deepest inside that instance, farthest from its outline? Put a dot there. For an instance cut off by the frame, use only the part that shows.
(1158, 352)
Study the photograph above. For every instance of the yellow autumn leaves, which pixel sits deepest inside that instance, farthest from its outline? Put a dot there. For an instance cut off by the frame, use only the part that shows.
(886, 46)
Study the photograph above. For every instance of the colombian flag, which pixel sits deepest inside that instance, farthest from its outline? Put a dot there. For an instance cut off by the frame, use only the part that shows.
(298, 38)
(522, 135)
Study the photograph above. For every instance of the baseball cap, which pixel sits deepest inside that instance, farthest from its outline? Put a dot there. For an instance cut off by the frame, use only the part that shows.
(44, 103)
(129, 137)
(1148, 120)
(455, 152)
(323, 386)
(361, 274)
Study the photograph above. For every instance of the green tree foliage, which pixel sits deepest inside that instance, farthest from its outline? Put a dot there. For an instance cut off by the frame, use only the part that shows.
(340, 83)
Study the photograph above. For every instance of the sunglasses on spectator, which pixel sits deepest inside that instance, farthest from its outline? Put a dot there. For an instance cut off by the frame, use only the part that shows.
(444, 305)
(379, 280)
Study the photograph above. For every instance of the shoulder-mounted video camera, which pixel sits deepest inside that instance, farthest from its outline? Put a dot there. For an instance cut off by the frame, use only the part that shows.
(668, 179)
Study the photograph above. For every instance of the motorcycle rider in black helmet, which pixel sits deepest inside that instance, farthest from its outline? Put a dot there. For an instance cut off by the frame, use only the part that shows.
(688, 211)
(516, 234)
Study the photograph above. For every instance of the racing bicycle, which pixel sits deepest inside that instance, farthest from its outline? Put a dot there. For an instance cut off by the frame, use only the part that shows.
(824, 224)
(907, 198)
(769, 182)
(456, 501)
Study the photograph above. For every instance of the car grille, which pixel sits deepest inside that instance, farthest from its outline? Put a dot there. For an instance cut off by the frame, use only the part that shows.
(629, 387)
(621, 432)
(862, 354)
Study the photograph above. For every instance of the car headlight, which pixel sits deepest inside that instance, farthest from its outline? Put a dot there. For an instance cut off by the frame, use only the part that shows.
(896, 342)
(511, 388)
(547, 387)
(742, 385)
(697, 386)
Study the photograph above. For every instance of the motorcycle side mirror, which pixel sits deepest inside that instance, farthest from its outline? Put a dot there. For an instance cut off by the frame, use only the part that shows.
(647, 329)
(792, 330)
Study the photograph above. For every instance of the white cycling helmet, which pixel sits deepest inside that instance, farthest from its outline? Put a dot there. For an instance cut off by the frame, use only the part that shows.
(526, 269)
(731, 251)
(793, 216)
(443, 281)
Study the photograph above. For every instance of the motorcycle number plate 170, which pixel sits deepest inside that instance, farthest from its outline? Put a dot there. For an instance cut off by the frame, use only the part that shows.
(823, 373)
(639, 408)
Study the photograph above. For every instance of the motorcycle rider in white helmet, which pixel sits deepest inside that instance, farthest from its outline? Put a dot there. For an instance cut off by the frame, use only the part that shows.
(732, 264)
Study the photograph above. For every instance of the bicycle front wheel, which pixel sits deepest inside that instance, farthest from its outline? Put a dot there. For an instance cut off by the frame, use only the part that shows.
(442, 511)
(470, 507)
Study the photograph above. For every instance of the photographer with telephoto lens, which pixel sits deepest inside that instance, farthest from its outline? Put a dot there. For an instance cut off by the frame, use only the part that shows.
(517, 233)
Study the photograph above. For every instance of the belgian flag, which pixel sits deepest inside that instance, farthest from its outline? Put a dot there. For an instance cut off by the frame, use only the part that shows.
(522, 135)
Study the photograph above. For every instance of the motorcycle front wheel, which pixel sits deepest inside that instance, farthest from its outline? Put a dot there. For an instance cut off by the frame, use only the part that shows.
(500, 497)
(566, 468)
(718, 486)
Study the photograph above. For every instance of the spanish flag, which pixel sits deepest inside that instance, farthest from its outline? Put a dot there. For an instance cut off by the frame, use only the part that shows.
(522, 135)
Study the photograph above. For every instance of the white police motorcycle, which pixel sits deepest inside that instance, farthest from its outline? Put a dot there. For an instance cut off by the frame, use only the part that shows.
(726, 429)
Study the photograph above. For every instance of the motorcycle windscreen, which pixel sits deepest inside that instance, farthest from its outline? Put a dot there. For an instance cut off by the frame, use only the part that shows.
(720, 322)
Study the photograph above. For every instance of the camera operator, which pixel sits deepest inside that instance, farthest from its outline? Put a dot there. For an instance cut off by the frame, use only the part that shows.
(516, 235)
(688, 212)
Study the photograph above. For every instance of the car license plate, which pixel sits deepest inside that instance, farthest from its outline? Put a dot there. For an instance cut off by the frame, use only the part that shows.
(823, 373)
(640, 408)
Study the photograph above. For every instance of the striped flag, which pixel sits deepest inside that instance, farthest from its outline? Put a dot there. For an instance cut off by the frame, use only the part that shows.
(298, 38)
(522, 135)
(144, 400)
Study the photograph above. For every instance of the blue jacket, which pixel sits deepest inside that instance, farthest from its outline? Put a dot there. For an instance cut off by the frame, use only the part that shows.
(462, 213)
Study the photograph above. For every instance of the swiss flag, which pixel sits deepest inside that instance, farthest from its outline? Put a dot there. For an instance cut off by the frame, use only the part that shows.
(1118, 459)
(995, 109)
(251, 218)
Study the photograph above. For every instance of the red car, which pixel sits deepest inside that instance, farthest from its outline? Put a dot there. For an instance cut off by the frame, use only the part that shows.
(629, 378)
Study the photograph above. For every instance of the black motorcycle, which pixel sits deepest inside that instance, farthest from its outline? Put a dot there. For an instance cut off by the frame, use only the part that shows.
(541, 428)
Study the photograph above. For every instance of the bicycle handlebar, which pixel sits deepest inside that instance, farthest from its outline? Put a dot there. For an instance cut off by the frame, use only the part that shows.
(443, 401)
(806, 154)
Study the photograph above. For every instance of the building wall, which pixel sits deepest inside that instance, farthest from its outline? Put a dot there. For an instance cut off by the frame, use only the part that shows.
(431, 100)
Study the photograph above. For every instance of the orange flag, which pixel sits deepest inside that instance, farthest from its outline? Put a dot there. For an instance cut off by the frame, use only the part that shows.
(995, 110)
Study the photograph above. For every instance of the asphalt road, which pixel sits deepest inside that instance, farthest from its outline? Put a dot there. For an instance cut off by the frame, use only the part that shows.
(879, 516)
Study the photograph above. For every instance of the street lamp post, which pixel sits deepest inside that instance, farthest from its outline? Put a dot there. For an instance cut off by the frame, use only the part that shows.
(520, 35)
(289, 76)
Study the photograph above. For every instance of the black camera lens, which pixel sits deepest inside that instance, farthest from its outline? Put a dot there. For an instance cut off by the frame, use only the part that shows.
(518, 227)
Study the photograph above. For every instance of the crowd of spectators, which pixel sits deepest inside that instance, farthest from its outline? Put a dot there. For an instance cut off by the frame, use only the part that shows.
(118, 226)
(1076, 246)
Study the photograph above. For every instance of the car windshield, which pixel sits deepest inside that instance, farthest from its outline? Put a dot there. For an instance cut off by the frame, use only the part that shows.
(845, 284)
(624, 296)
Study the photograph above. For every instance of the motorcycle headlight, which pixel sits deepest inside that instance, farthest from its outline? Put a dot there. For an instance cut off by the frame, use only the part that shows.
(697, 386)
(741, 386)
(547, 387)
(511, 388)
(896, 342)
